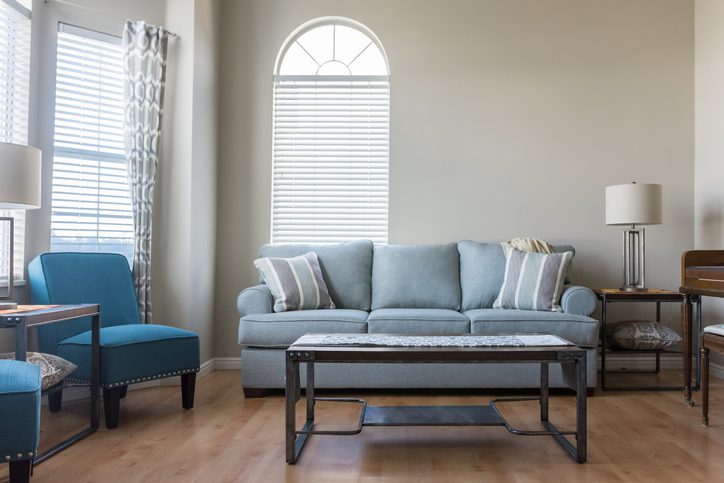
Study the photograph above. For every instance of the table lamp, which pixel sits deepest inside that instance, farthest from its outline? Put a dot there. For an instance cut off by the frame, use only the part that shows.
(633, 204)
(19, 190)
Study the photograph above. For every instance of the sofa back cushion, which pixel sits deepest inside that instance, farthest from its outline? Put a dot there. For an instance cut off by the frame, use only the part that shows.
(346, 268)
(482, 268)
(416, 276)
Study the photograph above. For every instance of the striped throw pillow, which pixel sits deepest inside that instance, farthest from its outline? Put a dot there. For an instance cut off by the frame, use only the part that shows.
(295, 283)
(533, 281)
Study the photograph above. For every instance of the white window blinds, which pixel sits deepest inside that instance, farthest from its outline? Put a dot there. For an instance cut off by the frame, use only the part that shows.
(330, 155)
(330, 151)
(14, 95)
(91, 207)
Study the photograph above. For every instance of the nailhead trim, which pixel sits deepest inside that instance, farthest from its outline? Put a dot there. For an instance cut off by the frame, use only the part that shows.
(149, 378)
(18, 456)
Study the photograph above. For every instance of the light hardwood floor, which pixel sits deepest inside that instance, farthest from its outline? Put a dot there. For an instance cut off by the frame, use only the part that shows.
(633, 437)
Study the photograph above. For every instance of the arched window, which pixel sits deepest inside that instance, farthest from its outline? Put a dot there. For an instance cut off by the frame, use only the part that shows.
(331, 135)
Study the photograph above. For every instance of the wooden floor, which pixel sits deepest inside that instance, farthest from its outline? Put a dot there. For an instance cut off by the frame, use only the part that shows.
(633, 437)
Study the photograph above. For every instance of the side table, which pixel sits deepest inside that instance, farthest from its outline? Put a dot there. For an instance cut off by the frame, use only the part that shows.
(25, 317)
(657, 296)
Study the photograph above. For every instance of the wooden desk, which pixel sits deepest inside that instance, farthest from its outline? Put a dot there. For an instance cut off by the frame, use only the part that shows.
(25, 317)
(702, 274)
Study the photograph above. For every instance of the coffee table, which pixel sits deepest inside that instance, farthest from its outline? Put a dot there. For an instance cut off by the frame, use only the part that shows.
(544, 349)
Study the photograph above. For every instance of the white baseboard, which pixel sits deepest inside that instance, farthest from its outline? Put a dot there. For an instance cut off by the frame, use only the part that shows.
(618, 362)
(716, 370)
(228, 363)
(622, 362)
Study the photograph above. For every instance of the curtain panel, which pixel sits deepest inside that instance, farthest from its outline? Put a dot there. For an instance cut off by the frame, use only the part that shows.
(144, 61)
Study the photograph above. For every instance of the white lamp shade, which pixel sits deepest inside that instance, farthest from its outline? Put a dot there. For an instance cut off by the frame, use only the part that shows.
(19, 177)
(633, 204)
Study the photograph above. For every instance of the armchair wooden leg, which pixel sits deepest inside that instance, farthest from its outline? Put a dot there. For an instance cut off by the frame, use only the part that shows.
(704, 383)
(124, 391)
(112, 406)
(188, 387)
(55, 401)
(20, 471)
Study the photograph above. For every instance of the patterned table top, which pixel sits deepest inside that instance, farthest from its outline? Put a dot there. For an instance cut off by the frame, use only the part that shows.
(388, 340)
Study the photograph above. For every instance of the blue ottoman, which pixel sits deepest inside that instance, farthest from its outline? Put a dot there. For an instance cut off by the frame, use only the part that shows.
(19, 416)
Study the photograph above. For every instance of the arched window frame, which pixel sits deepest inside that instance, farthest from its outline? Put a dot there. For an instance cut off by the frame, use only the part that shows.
(323, 209)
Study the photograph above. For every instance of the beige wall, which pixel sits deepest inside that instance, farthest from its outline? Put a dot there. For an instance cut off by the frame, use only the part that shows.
(508, 118)
(185, 211)
(710, 136)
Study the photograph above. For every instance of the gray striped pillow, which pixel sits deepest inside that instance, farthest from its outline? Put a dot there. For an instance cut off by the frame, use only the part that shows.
(295, 283)
(533, 281)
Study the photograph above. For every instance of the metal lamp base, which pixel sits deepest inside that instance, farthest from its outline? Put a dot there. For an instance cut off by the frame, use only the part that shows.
(634, 260)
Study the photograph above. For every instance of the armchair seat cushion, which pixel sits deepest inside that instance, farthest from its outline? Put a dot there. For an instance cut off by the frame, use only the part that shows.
(19, 409)
(418, 321)
(283, 328)
(578, 329)
(134, 353)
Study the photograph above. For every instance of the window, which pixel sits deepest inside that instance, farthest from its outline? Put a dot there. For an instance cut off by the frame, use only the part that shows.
(91, 206)
(330, 135)
(14, 95)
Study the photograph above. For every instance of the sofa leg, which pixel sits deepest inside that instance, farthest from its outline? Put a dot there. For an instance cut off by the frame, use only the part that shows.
(124, 391)
(256, 392)
(20, 471)
(55, 401)
(112, 406)
(188, 387)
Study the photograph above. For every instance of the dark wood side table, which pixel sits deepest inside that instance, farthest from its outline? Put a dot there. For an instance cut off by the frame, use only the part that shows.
(657, 296)
(25, 317)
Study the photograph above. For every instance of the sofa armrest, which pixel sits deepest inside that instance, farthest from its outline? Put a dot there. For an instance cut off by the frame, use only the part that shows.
(578, 300)
(255, 300)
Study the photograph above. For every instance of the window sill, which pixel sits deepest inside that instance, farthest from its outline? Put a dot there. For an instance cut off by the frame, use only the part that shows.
(17, 283)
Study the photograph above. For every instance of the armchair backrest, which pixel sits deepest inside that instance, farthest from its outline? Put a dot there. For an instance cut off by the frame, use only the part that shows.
(77, 278)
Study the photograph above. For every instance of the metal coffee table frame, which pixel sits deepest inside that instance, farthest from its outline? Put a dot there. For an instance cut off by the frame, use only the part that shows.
(22, 321)
(571, 358)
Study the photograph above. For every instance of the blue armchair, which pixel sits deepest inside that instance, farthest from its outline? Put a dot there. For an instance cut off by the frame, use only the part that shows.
(131, 352)
(19, 417)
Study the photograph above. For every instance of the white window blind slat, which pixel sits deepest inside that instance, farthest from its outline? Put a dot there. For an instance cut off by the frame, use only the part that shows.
(330, 160)
(91, 207)
(14, 100)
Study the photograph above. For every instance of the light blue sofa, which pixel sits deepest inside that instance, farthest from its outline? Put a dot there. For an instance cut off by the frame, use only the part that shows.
(415, 289)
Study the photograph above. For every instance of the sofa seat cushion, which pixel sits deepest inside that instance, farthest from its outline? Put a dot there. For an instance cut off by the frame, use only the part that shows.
(421, 276)
(283, 328)
(19, 409)
(134, 352)
(417, 321)
(578, 329)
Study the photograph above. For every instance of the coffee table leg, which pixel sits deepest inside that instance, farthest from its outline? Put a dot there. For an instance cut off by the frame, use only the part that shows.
(292, 379)
(310, 391)
(544, 391)
(581, 420)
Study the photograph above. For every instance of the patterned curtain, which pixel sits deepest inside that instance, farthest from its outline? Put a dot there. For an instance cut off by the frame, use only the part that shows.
(144, 60)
